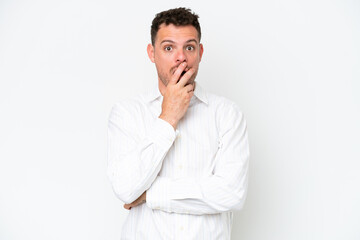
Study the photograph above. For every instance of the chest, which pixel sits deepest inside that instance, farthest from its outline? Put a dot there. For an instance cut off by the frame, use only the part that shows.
(194, 149)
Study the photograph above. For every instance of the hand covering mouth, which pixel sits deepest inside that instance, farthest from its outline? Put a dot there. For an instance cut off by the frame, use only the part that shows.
(185, 70)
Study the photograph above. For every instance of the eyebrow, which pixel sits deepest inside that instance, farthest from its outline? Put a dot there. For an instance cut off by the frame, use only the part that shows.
(171, 41)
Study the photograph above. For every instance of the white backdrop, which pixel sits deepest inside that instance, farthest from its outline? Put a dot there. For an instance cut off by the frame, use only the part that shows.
(292, 66)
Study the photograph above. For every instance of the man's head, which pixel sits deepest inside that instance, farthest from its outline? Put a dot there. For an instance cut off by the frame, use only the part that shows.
(175, 37)
(177, 17)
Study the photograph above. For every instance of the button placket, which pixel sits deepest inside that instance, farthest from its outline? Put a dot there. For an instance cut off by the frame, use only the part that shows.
(177, 159)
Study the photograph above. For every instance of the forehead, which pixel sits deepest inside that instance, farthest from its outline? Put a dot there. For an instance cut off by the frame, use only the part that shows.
(176, 33)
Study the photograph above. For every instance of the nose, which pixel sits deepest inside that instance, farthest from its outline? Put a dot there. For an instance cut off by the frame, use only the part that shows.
(181, 57)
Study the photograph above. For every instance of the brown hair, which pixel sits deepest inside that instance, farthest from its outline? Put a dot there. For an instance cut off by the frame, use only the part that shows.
(177, 16)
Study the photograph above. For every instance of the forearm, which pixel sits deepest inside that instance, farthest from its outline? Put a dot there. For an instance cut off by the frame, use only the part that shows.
(133, 173)
(135, 158)
(208, 195)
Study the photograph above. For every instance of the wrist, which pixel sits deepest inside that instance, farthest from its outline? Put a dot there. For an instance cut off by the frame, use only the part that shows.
(171, 121)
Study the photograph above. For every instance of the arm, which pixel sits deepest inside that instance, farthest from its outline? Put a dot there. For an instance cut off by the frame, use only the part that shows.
(224, 190)
(135, 160)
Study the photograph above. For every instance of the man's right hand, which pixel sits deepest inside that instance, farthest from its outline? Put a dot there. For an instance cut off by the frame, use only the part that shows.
(177, 96)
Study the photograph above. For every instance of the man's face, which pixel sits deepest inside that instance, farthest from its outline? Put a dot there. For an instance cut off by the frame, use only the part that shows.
(174, 45)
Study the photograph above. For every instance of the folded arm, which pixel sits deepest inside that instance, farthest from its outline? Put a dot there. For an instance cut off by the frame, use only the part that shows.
(224, 190)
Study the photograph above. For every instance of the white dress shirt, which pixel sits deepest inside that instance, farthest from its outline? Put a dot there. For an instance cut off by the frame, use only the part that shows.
(195, 176)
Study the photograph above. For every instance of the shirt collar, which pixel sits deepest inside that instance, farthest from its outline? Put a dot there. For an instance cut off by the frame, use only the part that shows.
(154, 93)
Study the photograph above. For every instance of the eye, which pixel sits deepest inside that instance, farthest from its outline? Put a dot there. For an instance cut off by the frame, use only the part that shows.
(168, 48)
(190, 48)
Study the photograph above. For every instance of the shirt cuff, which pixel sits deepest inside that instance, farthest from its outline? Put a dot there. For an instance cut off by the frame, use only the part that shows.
(163, 133)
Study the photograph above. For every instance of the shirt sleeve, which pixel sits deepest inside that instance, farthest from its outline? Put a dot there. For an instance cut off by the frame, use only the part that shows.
(224, 190)
(135, 158)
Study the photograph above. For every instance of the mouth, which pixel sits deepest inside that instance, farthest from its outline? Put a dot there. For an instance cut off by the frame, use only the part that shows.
(185, 70)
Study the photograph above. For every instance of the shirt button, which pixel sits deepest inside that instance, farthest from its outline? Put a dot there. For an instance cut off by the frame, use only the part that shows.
(181, 228)
(180, 166)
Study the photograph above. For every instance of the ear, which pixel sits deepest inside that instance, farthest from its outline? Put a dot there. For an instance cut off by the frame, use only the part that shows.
(150, 52)
(201, 50)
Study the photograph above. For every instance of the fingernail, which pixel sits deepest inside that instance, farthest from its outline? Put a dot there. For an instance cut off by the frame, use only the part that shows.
(184, 63)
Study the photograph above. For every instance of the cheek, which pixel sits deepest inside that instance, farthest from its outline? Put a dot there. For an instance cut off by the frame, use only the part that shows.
(162, 68)
(162, 60)
(194, 59)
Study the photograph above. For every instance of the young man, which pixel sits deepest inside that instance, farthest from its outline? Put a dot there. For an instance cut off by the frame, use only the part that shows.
(178, 155)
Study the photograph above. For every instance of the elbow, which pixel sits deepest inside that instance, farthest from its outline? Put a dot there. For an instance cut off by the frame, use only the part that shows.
(125, 194)
(239, 202)
(123, 189)
(126, 197)
(233, 202)
(240, 194)
(238, 206)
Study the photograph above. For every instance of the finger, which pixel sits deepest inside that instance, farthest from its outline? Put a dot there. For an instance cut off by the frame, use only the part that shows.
(185, 78)
(191, 94)
(189, 87)
(174, 79)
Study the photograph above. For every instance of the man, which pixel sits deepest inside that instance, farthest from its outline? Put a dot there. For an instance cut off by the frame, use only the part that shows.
(178, 156)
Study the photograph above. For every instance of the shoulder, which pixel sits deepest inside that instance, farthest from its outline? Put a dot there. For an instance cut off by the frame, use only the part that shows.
(224, 106)
(227, 113)
(129, 107)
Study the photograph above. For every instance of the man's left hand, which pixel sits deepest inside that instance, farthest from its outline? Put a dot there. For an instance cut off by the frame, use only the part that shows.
(140, 200)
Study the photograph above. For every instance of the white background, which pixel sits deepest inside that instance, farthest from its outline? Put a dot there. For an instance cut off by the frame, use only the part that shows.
(292, 66)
